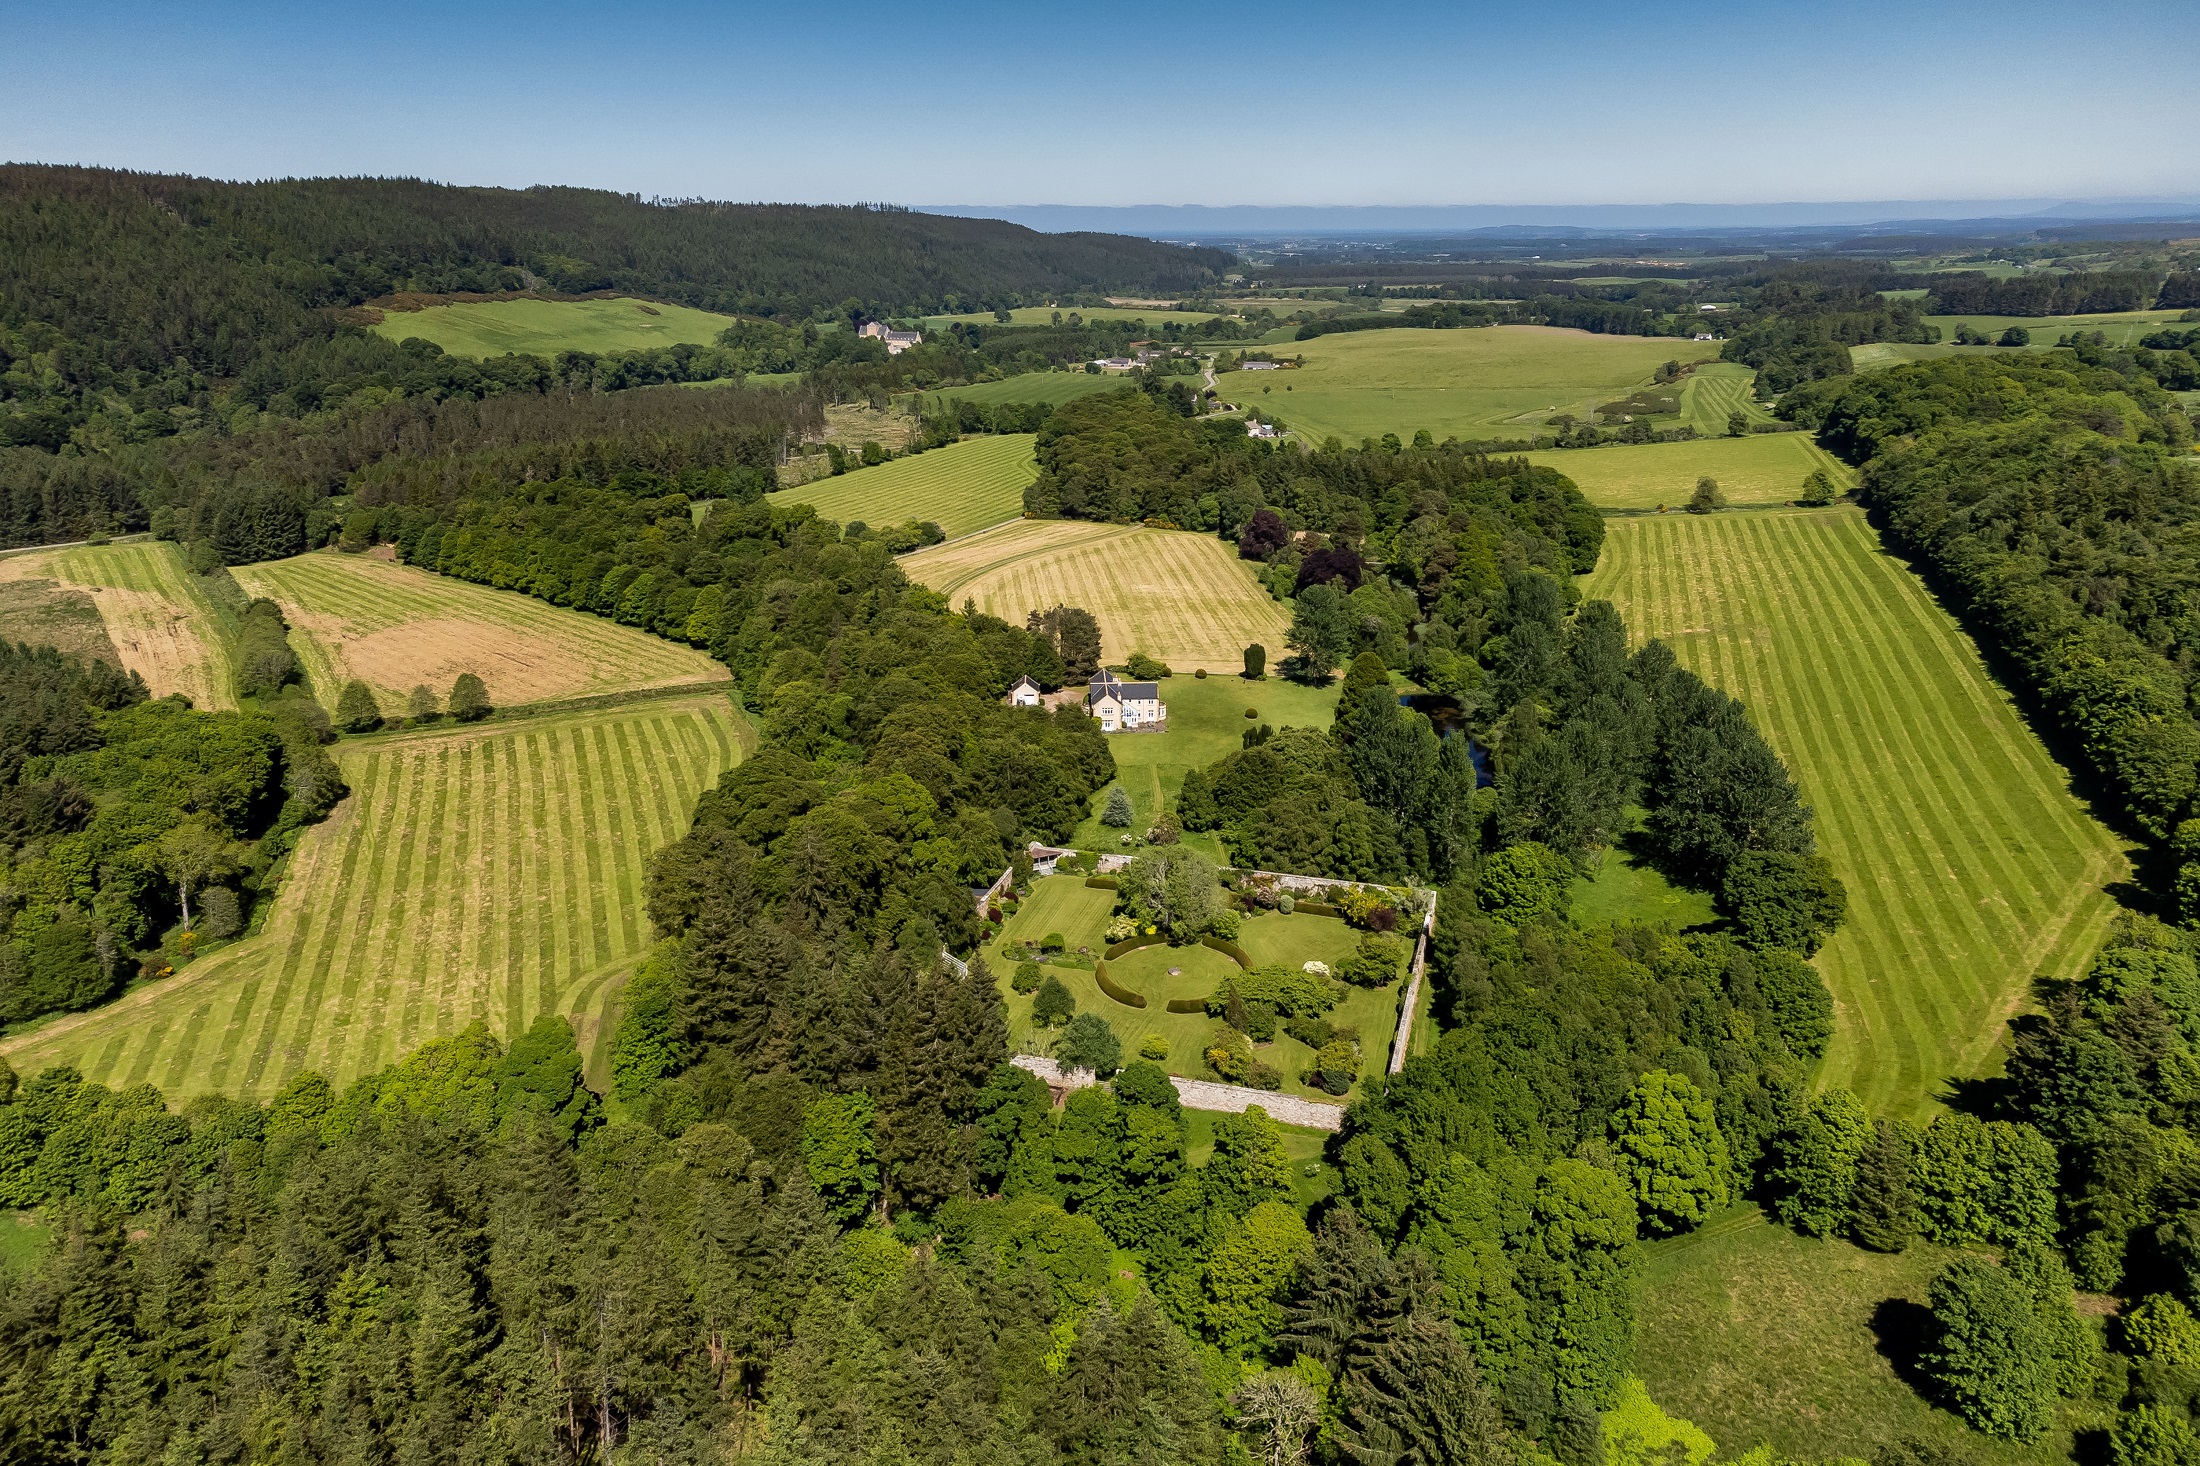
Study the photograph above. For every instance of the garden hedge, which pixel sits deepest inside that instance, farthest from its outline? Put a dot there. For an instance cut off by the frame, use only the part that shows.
(1187, 1005)
(1230, 950)
(1116, 990)
(1100, 883)
(1132, 944)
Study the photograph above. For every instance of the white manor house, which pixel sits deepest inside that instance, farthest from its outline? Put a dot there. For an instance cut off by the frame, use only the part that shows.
(1123, 706)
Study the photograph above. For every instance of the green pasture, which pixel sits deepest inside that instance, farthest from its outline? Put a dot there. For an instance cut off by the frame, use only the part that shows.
(962, 487)
(1970, 866)
(1479, 382)
(1206, 720)
(2122, 329)
(484, 328)
(1065, 904)
(1763, 1337)
(1763, 468)
(492, 872)
(1054, 388)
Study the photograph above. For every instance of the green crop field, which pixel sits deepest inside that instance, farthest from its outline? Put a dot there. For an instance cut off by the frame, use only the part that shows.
(1206, 721)
(1185, 598)
(1763, 468)
(1055, 388)
(393, 627)
(1763, 1337)
(1970, 866)
(488, 873)
(1483, 382)
(2122, 329)
(1715, 391)
(963, 487)
(160, 621)
(482, 328)
(1065, 904)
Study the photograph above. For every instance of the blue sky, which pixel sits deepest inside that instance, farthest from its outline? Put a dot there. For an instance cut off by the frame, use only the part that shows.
(963, 101)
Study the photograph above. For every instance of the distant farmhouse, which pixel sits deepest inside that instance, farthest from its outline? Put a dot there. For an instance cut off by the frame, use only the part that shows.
(896, 341)
(1260, 366)
(1124, 706)
(1256, 429)
(1025, 694)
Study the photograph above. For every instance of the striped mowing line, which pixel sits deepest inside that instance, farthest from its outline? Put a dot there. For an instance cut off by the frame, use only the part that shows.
(1969, 864)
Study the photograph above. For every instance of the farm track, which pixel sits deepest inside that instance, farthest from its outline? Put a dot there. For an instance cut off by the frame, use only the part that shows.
(1969, 864)
(490, 873)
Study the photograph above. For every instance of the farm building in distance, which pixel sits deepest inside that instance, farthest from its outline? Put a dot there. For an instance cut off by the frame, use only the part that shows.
(1025, 694)
(896, 341)
(1122, 706)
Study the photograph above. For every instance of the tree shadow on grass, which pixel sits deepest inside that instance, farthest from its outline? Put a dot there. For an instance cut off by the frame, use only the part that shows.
(1902, 1330)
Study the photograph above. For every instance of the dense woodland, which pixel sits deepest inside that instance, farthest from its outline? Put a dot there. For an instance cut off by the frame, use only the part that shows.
(137, 306)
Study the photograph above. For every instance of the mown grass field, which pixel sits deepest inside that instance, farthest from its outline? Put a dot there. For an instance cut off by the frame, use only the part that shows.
(963, 487)
(1763, 1337)
(1763, 468)
(393, 627)
(1970, 866)
(484, 328)
(1478, 383)
(1715, 391)
(1065, 904)
(1206, 721)
(1185, 598)
(159, 620)
(2122, 329)
(1050, 387)
(489, 873)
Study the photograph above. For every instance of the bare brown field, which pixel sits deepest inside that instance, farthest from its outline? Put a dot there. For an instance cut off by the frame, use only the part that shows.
(160, 623)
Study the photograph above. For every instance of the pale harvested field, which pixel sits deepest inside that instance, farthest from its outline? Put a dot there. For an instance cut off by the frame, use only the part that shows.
(394, 627)
(1184, 598)
(489, 873)
(160, 622)
(1970, 866)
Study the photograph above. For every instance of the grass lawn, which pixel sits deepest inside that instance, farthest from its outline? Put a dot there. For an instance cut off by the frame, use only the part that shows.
(962, 487)
(1764, 468)
(394, 626)
(1626, 890)
(1054, 387)
(1080, 913)
(1206, 720)
(1182, 597)
(1970, 866)
(491, 873)
(1471, 383)
(1764, 1337)
(545, 327)
(24, 1239)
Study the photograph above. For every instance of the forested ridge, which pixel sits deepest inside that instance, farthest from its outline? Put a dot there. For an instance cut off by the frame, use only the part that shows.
(139, 307)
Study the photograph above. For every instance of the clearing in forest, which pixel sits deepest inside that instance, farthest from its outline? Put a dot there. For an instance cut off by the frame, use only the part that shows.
(962, 487)
(395, 627)
(483, 328)
(1184, 598)
(160, 622)
(1762, 1337)
(1763, 468)
(1476, 382)
(490, 873)
(1970, 866)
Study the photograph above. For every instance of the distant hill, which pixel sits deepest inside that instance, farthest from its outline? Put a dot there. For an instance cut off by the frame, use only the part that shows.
(123, 294)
